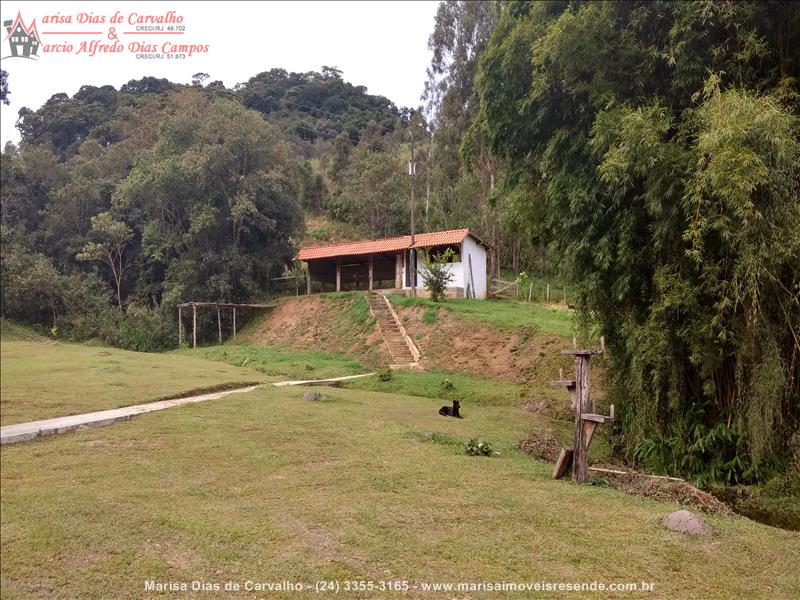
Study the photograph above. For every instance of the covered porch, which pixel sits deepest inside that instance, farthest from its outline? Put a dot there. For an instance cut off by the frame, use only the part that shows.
(367, 272)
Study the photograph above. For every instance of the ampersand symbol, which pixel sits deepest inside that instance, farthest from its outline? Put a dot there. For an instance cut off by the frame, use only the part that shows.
(112, 34)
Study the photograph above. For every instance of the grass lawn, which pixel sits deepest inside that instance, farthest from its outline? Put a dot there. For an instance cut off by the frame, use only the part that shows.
(286, 364)
(269, 487)
(504, 315)
(44, 379)
(429, 384)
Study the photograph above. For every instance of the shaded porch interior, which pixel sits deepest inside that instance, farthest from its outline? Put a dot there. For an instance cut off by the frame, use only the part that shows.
(381, 271)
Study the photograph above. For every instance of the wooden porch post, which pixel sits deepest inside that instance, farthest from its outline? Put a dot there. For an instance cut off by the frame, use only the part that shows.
(338, 274)
(219, 324)
(308, 279)
(180, 327)
(398, 270)
(370, 272)
(194, 326)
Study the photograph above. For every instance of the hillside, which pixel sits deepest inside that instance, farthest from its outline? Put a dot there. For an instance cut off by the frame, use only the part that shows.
(505, 340)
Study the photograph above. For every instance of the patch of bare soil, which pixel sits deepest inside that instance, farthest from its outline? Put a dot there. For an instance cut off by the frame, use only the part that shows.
(541, 446)
(663, 488)
(321, 323)
(455, 343)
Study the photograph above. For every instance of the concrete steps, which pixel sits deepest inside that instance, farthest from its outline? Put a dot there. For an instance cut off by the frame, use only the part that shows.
(393, 335)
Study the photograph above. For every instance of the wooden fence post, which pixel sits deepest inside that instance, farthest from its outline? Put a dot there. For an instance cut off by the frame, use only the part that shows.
(180, 328)
(234, 323)
(219, 324)
(194, 326)
(580, 460)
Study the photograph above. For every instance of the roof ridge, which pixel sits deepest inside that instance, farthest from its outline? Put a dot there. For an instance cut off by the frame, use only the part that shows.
(394, 237)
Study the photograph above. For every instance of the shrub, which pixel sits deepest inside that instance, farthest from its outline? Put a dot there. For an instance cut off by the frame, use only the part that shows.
(385, 374)
(437, 274)
(476, 447)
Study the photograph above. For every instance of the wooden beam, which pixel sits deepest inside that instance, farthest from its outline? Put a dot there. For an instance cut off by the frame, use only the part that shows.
(338, 274)
(180, 328)
(194, 326)
(563, 463)
(308, 280)
(219, 325)
(228, 304)
(370, 272)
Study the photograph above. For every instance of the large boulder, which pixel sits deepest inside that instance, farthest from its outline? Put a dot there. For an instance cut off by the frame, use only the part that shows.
(685, 521)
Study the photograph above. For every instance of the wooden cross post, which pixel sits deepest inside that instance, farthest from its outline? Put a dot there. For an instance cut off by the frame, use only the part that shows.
(585, 420)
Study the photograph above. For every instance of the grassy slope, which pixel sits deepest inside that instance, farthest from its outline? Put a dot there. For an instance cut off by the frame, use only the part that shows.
(43, 379)
(267, 486)
(504, 315)
(287, 364)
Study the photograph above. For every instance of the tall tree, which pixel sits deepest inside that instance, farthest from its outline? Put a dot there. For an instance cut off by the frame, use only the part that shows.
(112, 238)
(673, 195)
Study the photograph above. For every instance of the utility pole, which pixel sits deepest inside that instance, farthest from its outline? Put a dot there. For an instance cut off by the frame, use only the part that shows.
(412, 171)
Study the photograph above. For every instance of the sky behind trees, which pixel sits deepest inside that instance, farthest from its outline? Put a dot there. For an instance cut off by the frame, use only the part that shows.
(381, 45)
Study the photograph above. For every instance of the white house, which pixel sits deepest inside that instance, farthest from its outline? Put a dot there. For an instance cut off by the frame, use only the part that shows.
(386, 264)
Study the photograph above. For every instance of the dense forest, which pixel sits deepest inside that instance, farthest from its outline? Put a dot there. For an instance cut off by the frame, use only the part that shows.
(647, 152)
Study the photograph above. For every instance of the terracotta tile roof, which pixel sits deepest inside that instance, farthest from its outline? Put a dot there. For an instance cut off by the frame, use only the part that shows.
(394, 244)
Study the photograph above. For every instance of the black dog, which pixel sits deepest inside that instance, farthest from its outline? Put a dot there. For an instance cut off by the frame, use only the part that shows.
(451, 411)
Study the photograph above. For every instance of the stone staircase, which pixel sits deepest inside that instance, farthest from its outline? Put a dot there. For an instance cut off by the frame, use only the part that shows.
(393, 334)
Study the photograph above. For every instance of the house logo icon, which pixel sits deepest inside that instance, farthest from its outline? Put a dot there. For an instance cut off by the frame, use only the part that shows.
(24, 40)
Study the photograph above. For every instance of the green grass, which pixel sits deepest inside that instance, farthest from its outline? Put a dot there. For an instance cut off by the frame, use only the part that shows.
(362, 485)
(44, 379)
(428, 384)
(286, 364)
(504, 315)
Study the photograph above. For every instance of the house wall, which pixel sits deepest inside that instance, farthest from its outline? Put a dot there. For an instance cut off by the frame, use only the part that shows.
(460, 270)
(472, 248)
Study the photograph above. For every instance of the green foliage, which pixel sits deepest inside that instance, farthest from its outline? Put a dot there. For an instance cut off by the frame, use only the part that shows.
(653, 146)
(437, 274)
(375, 191)
(477, 447)
(316, 104)
(384, 375)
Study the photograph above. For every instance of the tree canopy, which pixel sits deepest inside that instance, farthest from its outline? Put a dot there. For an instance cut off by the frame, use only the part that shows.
(656, 144)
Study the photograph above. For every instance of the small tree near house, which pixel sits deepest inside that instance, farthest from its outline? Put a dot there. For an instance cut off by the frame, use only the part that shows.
(112, 237)
(437, 274)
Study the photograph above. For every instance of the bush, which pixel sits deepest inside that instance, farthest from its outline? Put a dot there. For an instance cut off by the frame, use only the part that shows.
(437, 274)
(385, 374)
(476, 447)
